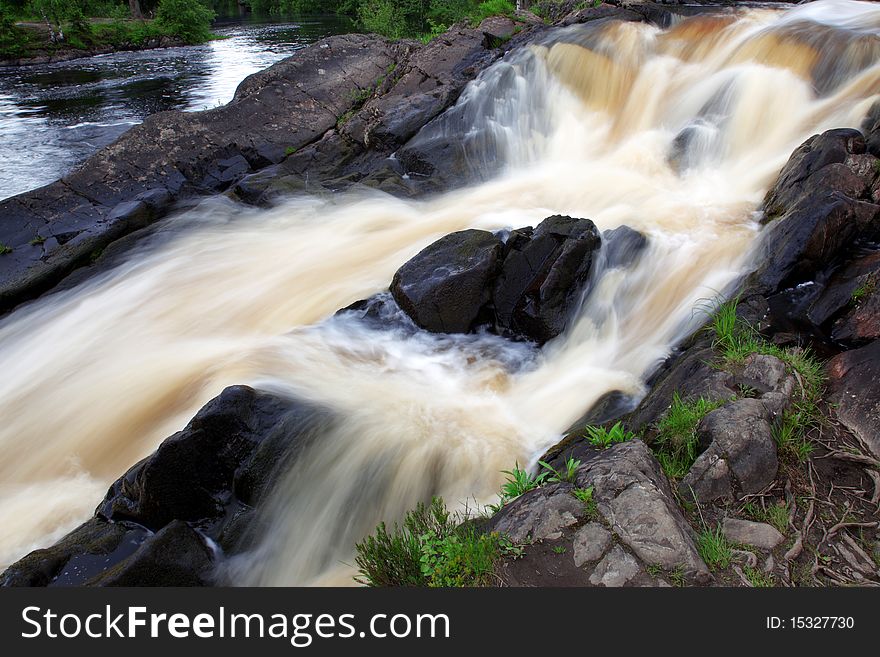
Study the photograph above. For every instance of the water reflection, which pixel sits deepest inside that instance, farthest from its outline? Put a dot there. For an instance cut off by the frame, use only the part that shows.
(53, 116)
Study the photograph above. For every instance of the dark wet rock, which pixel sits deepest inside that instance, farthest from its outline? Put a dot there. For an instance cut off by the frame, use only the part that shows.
(740, 453)
(211, 476)
(854, 382)
(756, 534)
(820, 204)
(622, 247)
(235, 444)
(96, 538)
(634, 497)
(543, 278)
(445, 286)
(539, 514)
(527, 288)
(174, 556)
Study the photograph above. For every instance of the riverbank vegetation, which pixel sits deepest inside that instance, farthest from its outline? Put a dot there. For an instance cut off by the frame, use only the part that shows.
(33, 28)
(395, 19)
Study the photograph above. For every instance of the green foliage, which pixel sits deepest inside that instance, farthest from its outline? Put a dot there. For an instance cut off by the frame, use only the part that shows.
(736, 340)
(188, 20)
(714, 548)
(758, 578)
(865, 288)
(4, 249)
(776, 514)
(676, 443)
(603, 438)
(13, 40)
(519, 481)
(559, 549)
(430, 549)
(585, 495)
(565, 476)
(492, 8)
(37, 241)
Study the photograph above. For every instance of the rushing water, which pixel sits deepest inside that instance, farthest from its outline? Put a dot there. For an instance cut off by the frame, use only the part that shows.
(95, 377)
(53, 116)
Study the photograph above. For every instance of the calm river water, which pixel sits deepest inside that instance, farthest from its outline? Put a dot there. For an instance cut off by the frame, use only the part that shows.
(53, 116)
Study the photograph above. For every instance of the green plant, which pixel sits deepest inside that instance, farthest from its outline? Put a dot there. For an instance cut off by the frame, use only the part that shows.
(188, 20)
(567, 475)
(290, 150)
(676, 443)
(39, 239)
(491, 8)
(4, 249)
(431, 548)
(603, 438)
(676, 577)
(758, 578)
(519, 481)
(865, 288)
(585, 495)
(775, 514)
(714, 548)
(559, 549)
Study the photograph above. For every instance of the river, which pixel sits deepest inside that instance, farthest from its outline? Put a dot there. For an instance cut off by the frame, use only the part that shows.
(53, 116)
(585, 124)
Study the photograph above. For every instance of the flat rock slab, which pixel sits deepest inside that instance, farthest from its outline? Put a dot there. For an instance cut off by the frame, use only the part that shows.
(633, 496)
(757, 534)
(539, 514)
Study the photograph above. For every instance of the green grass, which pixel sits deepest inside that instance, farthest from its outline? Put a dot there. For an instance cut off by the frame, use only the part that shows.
(865, 289)
(4, 249)
(520, 481)
(735, 340)
(37, 241)
(604, 438)
(775, 515)
(714, 548)
(430, 549)
(758, 578)
(559, 549)
(676, 443)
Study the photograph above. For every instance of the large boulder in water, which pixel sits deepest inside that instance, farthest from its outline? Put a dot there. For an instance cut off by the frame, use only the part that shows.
(543, 277)
(527, 288)
(445, 286)
(162, 521)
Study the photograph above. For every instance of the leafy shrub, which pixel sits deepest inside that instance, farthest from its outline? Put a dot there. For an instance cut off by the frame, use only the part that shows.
(188, 20)
(430, 549)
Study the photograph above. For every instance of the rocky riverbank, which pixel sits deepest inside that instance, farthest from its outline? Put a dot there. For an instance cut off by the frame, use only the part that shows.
(752, 461)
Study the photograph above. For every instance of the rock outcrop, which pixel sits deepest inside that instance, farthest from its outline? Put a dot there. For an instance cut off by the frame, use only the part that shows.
(165, 520)
(526, 288)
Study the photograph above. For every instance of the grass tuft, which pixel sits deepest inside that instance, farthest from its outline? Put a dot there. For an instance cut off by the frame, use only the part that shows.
(676, 443)
(714, 548)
